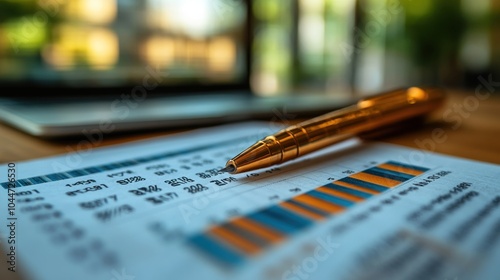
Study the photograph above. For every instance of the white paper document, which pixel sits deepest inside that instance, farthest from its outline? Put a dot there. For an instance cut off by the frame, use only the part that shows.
(160, 209)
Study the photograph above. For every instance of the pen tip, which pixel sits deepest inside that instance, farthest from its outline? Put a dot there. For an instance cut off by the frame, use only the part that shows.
(229, 169)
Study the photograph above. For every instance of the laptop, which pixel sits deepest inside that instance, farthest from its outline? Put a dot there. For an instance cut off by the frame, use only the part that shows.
(69, 67)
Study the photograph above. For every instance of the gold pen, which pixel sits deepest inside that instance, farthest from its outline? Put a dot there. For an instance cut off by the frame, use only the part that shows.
(368, 115)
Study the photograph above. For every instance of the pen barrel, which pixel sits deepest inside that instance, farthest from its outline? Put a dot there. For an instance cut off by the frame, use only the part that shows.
(367, 115)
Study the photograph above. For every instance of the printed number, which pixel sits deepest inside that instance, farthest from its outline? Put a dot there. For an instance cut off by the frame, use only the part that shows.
(146, 190)
(130, 180)
(179, 181)
(195, 188)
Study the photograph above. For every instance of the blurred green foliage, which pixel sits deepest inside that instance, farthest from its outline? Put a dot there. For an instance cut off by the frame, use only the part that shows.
(433, 30)
(10, 9)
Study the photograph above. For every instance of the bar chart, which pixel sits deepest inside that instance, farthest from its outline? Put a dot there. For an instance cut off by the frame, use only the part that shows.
(237, 240)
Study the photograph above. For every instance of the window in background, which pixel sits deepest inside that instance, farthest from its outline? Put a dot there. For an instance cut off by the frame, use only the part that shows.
(372, 45)
(273, 45)
(302, 44)
(445, 43)
(109, 42)
(324, 44)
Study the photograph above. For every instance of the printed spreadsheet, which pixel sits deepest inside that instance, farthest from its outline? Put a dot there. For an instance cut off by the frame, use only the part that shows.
(160, 209)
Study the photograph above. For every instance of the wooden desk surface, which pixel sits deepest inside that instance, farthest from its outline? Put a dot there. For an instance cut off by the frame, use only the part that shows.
(466, 127)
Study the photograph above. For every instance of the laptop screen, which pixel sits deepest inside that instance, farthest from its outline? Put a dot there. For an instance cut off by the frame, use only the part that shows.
(103, 44)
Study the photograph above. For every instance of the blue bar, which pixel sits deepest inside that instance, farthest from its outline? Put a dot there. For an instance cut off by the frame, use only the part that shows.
(92, 170)
(147, 159)
(309, 208)
(288, 216)
(273, 223)
(37, 180)
(66, 175)
(398, 176)
(25, 182)
(330, 198)
(113, 166)
(105, 167)
(77, 173)
(158, 157)
(348, 190)
(423, 169)
(215, 249)
(363, 184)
(178, 153)
(129, 163)
(5, 185)
(57, 176)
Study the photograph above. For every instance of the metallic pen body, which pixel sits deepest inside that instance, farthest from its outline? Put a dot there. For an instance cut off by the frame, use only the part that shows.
(367, 115)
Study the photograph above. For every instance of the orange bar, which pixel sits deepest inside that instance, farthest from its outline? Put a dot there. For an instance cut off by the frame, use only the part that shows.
(386, 182)
(401, 169)
(258, 229)
(301, 211)
(235, 240)
(354, 187)
(318, 203)
(340, 194)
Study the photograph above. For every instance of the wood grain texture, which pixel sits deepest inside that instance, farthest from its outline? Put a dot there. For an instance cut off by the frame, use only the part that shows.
(465, 127)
